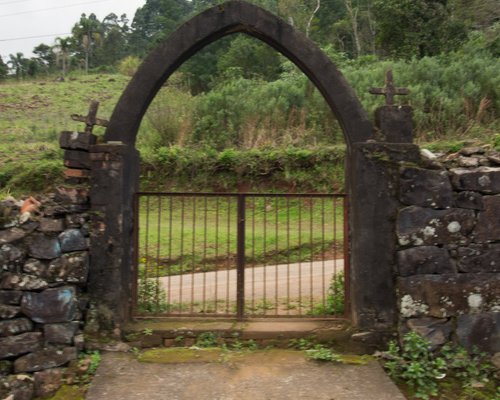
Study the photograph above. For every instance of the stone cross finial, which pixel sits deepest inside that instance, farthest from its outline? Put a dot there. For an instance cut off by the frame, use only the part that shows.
(91, 119)
(389, 91)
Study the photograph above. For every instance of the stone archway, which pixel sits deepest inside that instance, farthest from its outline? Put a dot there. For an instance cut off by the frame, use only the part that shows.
(372, 296)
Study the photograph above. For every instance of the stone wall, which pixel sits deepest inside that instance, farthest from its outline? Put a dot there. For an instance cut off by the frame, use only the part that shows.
(448, 256)
(45, 262)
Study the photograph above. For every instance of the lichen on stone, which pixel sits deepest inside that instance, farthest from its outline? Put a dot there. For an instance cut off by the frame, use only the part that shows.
(412, 308)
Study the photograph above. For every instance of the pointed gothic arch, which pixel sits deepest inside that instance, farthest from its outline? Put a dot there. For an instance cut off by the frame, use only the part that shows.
(114, 185)
(215, 23)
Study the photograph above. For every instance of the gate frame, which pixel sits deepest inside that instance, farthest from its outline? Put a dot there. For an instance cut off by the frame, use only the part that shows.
(372, 208)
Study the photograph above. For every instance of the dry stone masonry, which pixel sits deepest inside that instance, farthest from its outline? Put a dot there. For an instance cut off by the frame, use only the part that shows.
(44, 260)
(448, 256)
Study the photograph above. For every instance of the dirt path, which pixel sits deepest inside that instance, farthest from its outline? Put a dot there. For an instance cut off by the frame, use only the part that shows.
(269, 282)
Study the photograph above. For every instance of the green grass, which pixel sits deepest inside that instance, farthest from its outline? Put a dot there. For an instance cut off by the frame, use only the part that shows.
(33, 115)
(192, 235)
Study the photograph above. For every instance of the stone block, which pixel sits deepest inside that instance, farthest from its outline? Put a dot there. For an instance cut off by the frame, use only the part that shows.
(482, 179)
(51, 306)
(443, 296)
(76, 221)
(11, 257)
(60, 333)
(22, 282)
(45, 359)
(35, 267)
(480, 331)
(470, 150)
(5, 368)
(21, 387)
(436, 330)
(76, 173)
(151, 341)
(71, 267)
(468, 162)
(48, 382)
(72, 240)
(44, 247)
(72, 195)
(425, 188)
(479, 258)
(395, 123)
(77, 140)
(8, 312)
(488, 223)
(51, 225)
(77, 159)
(12, 235)
(20, 344)
(424, 260)
(12, 297)
(470, 200)
(15, 327)
(420, 226)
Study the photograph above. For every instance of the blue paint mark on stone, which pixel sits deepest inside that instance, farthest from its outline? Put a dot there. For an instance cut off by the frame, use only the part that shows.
(72, 240)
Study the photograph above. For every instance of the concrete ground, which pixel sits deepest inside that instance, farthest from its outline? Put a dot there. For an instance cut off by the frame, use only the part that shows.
(262, 375)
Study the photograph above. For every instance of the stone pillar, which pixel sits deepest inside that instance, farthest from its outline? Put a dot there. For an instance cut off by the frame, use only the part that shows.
(76, 147)
(394, 124)
(373, 192)
(114, 170)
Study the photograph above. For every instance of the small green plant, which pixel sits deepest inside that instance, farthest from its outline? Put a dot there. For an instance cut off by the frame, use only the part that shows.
(239, 345)
(302, 344)
(322, 353)
(147, 332)
(469, 375)
(179, 339)
(207, 339)
(472, 369)
(135, 351)
(88, 364)
(416, 364)
(151, 297)
(335, 300)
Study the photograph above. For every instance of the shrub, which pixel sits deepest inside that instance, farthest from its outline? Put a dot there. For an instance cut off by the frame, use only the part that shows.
(129, 65)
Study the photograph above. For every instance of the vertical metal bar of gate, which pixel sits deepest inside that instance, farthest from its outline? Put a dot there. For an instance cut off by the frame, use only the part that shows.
(240, 259)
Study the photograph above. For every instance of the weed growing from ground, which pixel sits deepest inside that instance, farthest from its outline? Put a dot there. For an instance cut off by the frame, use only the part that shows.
(423, 370)
(322, 353)
(302, 344)
(151, 297)
(207, 339)
(335, 299)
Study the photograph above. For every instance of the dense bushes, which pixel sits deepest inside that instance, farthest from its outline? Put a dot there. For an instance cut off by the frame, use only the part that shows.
(293, 169)
(452, 95)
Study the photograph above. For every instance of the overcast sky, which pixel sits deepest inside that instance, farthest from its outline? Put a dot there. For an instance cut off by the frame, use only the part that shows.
(27, 18)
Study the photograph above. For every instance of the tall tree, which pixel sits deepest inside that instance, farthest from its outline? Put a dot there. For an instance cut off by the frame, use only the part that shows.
(63, 51)
(408, 28)
(45, 55)
(19, 64)
(4, 70)
(87, 34)
(113, 45)
(155, 20)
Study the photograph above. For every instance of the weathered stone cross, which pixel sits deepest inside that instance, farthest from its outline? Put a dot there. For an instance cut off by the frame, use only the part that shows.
(389, 91)
(91, 119)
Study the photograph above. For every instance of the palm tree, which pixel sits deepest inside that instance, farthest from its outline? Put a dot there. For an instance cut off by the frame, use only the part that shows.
(62, 49)
(19, 64)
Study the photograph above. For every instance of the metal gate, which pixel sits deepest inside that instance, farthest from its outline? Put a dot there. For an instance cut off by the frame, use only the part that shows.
(240, 255)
